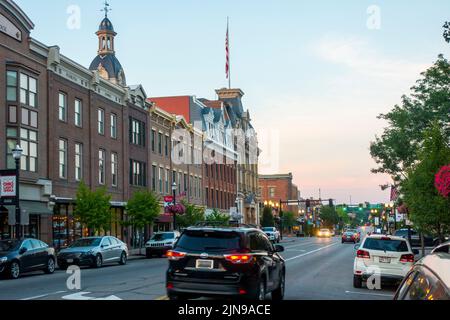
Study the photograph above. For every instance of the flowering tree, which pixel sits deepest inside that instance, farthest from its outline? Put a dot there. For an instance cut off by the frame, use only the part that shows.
(178, 208)
(442, 181)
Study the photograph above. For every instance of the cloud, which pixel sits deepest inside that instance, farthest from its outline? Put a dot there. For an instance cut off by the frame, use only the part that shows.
(356, 54)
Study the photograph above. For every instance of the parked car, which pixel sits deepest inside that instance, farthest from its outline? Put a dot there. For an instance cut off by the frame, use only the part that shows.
(392, 257)
(350, 236)
(273, 234)
(94, 252)
(225, 262)
(21, 256)
(428, 280)
(415, 238)
(324, 233)
(445, 248)
(160, 243)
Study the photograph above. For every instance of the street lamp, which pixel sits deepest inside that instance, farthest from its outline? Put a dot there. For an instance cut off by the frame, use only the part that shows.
(17, 155)
(174, 189)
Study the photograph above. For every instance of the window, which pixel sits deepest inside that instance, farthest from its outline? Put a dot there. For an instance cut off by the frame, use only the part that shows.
(167, 181)
(78, 113)
(62, 107)
(101, 121)
(28, 90)
(386, 245)
(101, 166)
(154, 178)
(29, 118)
(137, 132)
(114, 169)
(153, 140)
(11, 133)
(137, 173)
(166, 146)
(160, 143)
(78, 161)
(185, 181)
(28, 142)
(63, 159)
(11, 86)
(271, 192)
(160, 177)
(113, 126)
(12, 114)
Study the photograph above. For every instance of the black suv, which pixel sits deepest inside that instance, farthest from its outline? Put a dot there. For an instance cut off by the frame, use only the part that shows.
(225, 262)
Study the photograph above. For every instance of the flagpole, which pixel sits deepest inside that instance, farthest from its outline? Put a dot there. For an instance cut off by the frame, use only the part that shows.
(229, 60)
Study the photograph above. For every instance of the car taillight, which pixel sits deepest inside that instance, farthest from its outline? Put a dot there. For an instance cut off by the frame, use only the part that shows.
(175, 255)
(238, 258)
(363, 254)
(407, 258)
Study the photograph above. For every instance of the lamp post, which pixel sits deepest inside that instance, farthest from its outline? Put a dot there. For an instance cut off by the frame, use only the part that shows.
(17, 155)
(174, 189)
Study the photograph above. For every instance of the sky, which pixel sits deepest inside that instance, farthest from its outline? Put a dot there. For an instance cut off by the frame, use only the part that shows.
(315, 73)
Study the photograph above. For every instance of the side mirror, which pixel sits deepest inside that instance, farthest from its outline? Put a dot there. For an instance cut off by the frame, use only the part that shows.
(416, 252)
(23, 250)
(279, 248)
(357, 246)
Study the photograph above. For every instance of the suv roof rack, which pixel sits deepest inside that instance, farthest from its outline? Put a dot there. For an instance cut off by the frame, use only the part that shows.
(231, 224)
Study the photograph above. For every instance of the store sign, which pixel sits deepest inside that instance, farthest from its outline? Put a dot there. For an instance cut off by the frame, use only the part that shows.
(8, 28)
(7, 186)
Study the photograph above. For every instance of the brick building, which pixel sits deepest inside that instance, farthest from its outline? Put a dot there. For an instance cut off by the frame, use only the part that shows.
(278, 187)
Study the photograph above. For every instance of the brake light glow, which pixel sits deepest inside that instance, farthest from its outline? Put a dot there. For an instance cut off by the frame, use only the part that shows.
(175, 255)
(170, 286)
(239, 258)
(407, 258)
(363, 254)
(242, 291)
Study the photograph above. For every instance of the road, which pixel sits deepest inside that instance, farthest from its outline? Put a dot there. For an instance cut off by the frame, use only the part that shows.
(318, 269)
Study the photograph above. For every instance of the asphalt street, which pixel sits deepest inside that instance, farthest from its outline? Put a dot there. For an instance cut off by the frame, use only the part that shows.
(318, 269)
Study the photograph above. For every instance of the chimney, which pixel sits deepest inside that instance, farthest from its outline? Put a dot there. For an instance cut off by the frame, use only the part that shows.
(229, 93)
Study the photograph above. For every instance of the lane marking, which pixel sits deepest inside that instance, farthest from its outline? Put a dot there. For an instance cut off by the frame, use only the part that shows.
(370, 294)
(162, 298)
(295, 250)
(43, 296)
(82, 296)
(311, 252)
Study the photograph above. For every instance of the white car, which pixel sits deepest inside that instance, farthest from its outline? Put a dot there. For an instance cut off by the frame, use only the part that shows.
(389, 257)
(272, 233)
(160, 243)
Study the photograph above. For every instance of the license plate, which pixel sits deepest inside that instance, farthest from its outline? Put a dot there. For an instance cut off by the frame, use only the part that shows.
(204, 264)
(385, 260)
(69, 260)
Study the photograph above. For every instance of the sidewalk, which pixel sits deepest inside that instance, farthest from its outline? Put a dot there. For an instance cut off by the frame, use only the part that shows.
(134, 254)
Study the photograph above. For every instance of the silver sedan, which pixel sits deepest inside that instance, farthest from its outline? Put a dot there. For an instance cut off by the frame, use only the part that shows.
(94, 252)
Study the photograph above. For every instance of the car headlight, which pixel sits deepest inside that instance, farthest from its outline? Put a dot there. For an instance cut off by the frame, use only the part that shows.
(3, 260)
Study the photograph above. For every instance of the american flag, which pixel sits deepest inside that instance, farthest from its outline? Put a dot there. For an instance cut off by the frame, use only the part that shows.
(227, 49)
(394, 193)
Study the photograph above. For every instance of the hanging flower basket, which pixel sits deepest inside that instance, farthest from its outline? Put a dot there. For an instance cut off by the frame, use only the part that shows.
(176, 209)
(442, 181)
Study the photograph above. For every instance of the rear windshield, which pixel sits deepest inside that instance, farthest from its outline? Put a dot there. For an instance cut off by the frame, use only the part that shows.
(209, 241)
(386, 245)
(86, 242)
(163, 236)
(267, 229)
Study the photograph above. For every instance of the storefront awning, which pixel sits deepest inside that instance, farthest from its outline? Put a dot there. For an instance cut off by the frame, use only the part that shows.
(34, 207)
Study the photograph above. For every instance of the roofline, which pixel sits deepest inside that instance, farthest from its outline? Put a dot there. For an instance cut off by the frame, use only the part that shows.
(27, 21)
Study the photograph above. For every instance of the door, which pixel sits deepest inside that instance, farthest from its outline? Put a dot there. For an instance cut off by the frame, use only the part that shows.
(116, 249)
(27, 259)
(273, 263)
(40, 253)
(106, 248)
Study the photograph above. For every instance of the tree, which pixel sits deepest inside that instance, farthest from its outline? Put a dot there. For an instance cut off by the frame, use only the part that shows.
(267, 218)
(289, 220)
(395, 151)
(329, 216)
(219, 218)
(93, 208)
(193, 214)
(142, 209)
(429, 211)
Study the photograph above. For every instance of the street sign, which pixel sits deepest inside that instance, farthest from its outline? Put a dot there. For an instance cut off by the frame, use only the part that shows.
(7, 186)
(168, 199)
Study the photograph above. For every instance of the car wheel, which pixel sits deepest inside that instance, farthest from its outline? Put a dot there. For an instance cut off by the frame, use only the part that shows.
(342, 241)
(123, 259)
(278, 294)
(14, 270)
(357, 282)
(50, 268)
(98, 261)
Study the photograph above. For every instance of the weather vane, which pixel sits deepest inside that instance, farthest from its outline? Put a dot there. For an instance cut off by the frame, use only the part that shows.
(447, 31)
(106, 9)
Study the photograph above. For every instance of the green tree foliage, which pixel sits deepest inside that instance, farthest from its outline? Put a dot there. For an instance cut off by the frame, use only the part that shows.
(329, 216)
(219, 218)
(429, 211)
(267, 218)
(191, 217)
(142, 209)
(93, 208)
(289, 220)
(395, 151)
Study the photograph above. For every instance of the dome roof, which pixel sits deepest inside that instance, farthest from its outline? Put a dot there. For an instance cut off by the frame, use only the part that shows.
(110, 64)
(106, 25)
